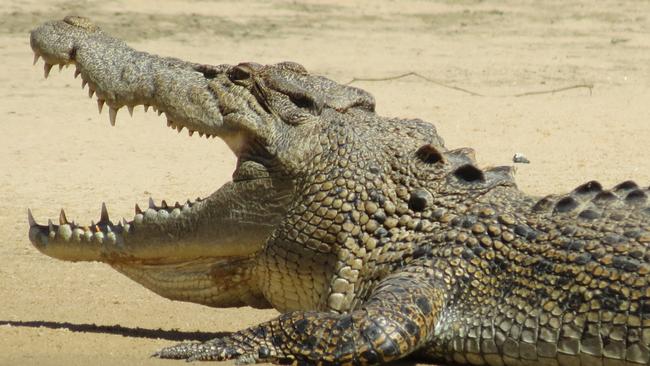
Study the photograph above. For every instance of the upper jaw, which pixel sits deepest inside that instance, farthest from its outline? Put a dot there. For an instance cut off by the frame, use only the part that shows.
(121, 76)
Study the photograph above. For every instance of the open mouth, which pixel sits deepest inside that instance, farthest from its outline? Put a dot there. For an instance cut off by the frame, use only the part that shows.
(161, 232)
(105, 231)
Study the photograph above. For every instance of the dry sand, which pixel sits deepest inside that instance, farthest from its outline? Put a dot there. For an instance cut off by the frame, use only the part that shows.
(55, 151)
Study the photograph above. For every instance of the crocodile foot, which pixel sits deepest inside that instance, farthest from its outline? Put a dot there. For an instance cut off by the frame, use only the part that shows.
(218, 349)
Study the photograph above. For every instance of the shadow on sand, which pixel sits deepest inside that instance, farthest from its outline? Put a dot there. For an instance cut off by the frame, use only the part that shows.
(171, 335)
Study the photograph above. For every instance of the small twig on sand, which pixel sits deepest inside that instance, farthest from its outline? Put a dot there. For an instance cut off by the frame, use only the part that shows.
(439, 83)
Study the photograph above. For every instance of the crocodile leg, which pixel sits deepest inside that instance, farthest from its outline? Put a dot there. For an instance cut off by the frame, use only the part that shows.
(397, 319)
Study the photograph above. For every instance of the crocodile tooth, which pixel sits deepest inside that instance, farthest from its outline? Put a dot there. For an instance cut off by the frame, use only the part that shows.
(163, 214)
(159, 112)
(201, 134)
(36, 57)
(62, 219)
(77, 233)
(176, 212)
(100, 105)
(65, 232)
(112, 115)
(146, 108)
(104, 215)
(30, 218)
(150, 215)
(190, 132)
(163, 204)
(50, 228)
(110, 236)
(170, 123)
(77, 71)
(61, 67)
(152, 204)
(137, 209)
(91, 91)
(179, 128)
(130, 108)
(88, 235)
(46, 69)
(83, 82)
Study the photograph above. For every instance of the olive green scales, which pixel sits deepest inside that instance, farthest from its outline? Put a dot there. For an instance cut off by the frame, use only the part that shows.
(374, 240)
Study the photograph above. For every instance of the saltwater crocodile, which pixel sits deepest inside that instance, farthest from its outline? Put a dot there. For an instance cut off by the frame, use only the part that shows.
(373, 240)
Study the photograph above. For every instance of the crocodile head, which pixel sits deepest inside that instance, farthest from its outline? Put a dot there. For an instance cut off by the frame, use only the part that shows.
(270, 116)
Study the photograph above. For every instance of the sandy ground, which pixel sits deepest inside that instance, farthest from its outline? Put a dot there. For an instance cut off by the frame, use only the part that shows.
(55, 151)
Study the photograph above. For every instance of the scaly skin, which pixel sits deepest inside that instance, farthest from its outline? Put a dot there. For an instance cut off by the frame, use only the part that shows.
(372, 238)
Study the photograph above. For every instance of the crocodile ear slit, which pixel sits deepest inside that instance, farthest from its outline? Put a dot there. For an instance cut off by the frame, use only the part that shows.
(429, 154)
(469, 173)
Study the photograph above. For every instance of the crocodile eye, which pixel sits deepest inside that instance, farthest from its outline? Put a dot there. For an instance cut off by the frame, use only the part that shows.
(239, 73)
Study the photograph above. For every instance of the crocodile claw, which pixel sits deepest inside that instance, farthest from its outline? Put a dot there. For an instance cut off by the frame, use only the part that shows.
(214, 350)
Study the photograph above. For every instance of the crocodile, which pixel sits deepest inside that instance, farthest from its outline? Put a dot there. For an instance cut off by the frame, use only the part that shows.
(373, 240)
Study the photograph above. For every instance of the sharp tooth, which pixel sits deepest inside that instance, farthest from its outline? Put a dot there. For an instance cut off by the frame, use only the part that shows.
(30, 218)
(77, 71)
(201, 134)
(61, 67)
(180, 128)
(137, 209)
(91, 91)
(190, 132)
(62, 219)
(152, 204)
(163, 204)
(177, 205)
(146, 107)
(46, 69)
(36, 57)
(170, 123)
(130, 108)
(159, 112)
(83, 82)
(112, 115)
(104, 215)
(100, 105)
(50, 226)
